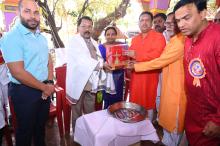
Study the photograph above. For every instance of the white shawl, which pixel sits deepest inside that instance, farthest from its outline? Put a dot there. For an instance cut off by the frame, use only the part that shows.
(80, 65)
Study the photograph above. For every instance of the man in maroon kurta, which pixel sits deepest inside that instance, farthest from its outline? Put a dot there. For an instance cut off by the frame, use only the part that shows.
(202, 73)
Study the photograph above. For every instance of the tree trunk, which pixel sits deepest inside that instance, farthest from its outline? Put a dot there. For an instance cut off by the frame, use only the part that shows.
(85, 6)
(51, 22)
(119, 12)
(99, 25)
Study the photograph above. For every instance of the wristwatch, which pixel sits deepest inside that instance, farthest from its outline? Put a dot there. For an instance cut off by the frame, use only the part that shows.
(48, 82)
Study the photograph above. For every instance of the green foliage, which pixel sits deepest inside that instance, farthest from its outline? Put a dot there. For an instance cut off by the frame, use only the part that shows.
(96, 8)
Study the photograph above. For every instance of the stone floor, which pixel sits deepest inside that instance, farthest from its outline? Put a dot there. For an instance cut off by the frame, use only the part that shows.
(53, 138)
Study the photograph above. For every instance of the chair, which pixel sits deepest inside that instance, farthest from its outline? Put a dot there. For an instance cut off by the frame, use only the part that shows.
(55, 111)
(61, 82)
(60, 73)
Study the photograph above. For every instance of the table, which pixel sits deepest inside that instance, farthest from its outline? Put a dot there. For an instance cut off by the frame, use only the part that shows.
(101, 129)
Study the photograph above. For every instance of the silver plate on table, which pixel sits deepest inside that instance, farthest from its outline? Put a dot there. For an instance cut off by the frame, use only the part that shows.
(127, 112)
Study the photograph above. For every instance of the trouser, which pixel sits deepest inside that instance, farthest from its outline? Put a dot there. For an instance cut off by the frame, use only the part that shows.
(31, 114)
(199, 139)
(85, 105)
(1, 135)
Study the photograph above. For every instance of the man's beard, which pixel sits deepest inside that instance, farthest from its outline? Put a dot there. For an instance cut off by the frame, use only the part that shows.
(159, 28)
(25, 23)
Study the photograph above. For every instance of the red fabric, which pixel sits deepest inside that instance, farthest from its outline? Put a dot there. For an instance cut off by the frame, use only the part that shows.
(218, 3)
(114, 55)
(1, 58)
(61, 76)
(203, 102)
(66, 106)
(143, 85)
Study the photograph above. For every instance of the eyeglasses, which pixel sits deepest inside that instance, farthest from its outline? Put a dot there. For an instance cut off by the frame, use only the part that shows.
(217, 20)
(169, 23)
(86, 27)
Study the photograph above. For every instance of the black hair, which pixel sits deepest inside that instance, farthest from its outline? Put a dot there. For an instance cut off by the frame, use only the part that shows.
(171, 13)
(162, 15)
(200, 4)
(147, 13)
(111, 27)
(85, 18)
(20, 4)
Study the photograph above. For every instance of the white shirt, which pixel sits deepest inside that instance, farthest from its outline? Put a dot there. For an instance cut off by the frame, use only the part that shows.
(3, 75)
(4, 80)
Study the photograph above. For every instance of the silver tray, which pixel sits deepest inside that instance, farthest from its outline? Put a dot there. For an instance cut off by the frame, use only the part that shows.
(127, 112)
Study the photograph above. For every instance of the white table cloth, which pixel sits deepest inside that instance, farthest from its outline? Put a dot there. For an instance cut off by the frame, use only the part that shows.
(101, 129)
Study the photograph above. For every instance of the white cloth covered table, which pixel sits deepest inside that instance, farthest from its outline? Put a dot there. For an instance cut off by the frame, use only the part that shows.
(101, 129)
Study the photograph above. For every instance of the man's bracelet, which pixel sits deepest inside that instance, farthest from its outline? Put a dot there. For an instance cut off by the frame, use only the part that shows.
(48, 82)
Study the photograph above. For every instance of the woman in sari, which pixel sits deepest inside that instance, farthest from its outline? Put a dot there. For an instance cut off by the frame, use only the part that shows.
(118, 75)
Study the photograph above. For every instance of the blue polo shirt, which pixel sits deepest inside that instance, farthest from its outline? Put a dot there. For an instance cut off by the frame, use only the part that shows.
(20, 44)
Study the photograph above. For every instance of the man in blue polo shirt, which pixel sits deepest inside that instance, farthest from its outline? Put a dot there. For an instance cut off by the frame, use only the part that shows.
(26, 53)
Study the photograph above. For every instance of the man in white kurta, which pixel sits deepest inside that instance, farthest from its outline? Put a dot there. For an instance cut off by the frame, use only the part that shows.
(83, 65)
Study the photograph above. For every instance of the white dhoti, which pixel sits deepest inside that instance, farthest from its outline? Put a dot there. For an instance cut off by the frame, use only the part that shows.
(171, 138)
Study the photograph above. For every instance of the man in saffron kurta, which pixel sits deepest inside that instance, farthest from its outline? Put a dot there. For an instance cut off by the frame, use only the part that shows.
(148, 45)
(202, 73)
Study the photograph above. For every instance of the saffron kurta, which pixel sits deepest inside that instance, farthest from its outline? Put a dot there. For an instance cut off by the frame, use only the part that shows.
(143, 85)
(173, 98)
(203, 102)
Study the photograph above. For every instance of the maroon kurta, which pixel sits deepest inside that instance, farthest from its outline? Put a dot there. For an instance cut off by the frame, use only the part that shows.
(203, 102)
